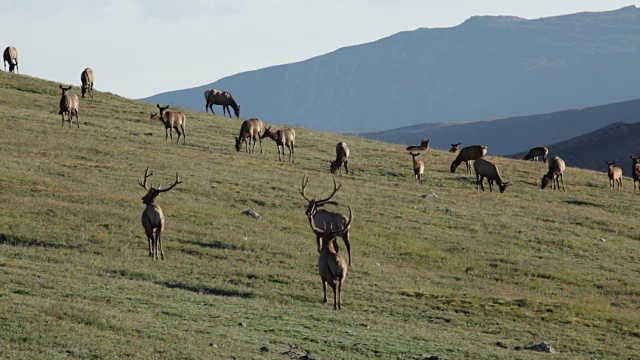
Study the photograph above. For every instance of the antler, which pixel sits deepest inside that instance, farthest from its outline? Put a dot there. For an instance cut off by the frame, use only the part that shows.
(305, 181)
(146, 176)
(172, 185)
(335, 190)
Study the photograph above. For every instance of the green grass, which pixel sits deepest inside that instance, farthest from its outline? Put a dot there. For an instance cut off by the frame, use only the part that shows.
(519, 268)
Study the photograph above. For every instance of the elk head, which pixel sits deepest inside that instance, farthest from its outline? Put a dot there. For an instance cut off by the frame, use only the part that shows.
(313, 203)
(162, 108)
(152, 193)
(266, 133)
(236, 109)
(64, 90)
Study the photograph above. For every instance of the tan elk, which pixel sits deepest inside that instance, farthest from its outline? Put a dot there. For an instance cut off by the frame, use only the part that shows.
(252, 129)
(87, 78)
(424, 146)
(331, 265)
(326, 219)
(152, 216)
(455, 148)
(418, 167)
(224, 98)
(467, 154)
(284, 137)
(635, 172)
(171, 120)
(487, 169)
(69, 104)
(555, 174)
(615, 176)
(10, 56)
(342, 157)
(536, 152)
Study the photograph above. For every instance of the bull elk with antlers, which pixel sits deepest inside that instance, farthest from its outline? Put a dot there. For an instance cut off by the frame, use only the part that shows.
(326, 219)
(152, 216)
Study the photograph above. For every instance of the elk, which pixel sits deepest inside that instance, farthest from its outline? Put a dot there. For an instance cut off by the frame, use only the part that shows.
(331, 265)
(224, 98)
(152, 216)
(283, 137)
(342, 156)
(554, 176)
(467, 154)
(635, 172)
(615, 176)
(10, 56)
(324, 217)
(487, 169)
(251, 129)
(87, 78)
(69, 104)
(455, 148)
(171, 120)
(418, 167)
(536, 152)
(424, 146)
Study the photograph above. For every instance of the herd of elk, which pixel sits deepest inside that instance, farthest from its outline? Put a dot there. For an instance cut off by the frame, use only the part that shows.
(224, 98)
(615, 176)
(635, 172)
(152, 216)
(554, 176)
(536, 152)
(252, 129)
(418, 167)
(172, 120)
(10, 56)
(342, 157)
(424, 146)
(283, 137)
(487, 169)
(467, 154)
(87, 78)
(69, 104)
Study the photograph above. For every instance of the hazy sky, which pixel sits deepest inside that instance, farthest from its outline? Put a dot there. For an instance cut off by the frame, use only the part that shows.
(142, 47)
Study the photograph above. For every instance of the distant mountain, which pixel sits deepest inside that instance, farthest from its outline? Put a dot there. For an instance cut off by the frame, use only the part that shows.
(510, 135)
(486, 67)
(614, 142)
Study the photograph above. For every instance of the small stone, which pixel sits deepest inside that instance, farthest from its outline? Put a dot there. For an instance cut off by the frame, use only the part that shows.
(134, 134)
(243, 324)
(213, 345)
(51, 211)
(364, 325)
(378, 264)
(264, 349)
(252, 213)
(603, 240)
(432, 358)
(430, 195)
(500, 344)
(149, 134)
(542, 347)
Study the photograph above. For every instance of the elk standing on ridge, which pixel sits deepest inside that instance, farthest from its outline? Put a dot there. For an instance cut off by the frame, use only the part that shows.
(10, 56)
(69, 104)
(331, 265)
(224, 98)
(554, 176)
(152, 216)
(418, 167)
(535, 152)
(615, 176)
(467, 154)
(635, 172)
(282, 137)
(424, 146)
(87, 78)
(455, 148)
(342, 156)
(326, 219)
(487, 169)
(251, 128)
(171, 120)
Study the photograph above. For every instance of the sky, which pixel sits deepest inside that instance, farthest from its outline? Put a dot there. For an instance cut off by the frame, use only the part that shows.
(139, 48)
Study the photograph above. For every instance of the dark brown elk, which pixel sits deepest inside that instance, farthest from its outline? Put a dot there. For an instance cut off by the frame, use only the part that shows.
(615, 176)
(69, 104)
(283, 137)
(418, 167)
(342, 157)
(252, 129)
(172, 120)
(10, 56)
(424, 146)
(331, 265)
(635, 172)
(487, 169)
(467, 154)
(152, 216)
(455, 148)
(555, 174)
(536, 152)
(224, 98)
(326, 219)
(87, 78)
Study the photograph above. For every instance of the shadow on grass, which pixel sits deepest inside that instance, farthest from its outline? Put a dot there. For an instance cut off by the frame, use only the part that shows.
(582, 203)
(214, 244)
(206, 290)
(16, 240)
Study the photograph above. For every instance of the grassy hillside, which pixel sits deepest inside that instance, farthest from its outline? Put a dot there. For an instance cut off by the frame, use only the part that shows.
(449, 276)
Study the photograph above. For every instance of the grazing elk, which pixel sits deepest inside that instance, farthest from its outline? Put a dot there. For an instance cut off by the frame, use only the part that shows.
(467, 154)
(224, 98)
(455, 148)
(554, 176)
(69, 104)
(342, 157)
(535, 152)
(171, 120)
(615, 176)
(635, 172)
(487, 169)
(10, 56)
(331, 265)
(251, 129)
(152, 216)
(87, 78)
(283, 137)
(418, 167)
(326, 218)
(424, 146)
